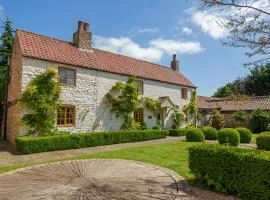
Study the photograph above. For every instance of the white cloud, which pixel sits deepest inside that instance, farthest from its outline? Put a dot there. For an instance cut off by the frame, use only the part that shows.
(155, 50)
(177, 46)
(126, 46)
(209, 21)
(187, 30)
(143, 30)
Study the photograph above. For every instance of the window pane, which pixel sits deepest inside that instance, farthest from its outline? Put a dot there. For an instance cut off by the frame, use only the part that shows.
(66, 76)
(66, 116)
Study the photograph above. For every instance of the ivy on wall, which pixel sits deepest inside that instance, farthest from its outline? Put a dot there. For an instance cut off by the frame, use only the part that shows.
(152, 104)
(123, 98)
(42, 98)
(192, 109)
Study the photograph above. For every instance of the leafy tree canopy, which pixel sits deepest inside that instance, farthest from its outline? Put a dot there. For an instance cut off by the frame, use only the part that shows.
(256, 83)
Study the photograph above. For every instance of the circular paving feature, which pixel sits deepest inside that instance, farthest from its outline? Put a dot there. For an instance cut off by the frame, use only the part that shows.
(89, 179)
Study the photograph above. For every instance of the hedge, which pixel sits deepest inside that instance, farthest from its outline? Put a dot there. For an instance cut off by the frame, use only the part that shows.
(194, 135)
(210, 133)
(245, 135)
(30, 144)
(228, 136)
(177, 132)
(263, 141)
(240, 172)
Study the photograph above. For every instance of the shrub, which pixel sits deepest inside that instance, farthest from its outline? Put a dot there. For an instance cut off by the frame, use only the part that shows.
(263, 141)
(194, 135)
(245, 135)
(259, 121)
(240, 116)
(30, 144)
(217, 120)
(210, 133)
(240, 172)
(228, 136)
(177, 132)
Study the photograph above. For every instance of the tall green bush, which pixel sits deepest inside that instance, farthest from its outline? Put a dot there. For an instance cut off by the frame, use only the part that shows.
(259, 121)
(42, 98)
(237, 171)
(217, 119)
(194, 135)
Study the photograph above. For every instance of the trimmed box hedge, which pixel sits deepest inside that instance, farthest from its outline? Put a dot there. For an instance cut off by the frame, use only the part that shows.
(263, 141)
(240, 172)
(210, 133)
(228, 136)
(177, 132)
(30, 144)
(194, 135)
(245, 135)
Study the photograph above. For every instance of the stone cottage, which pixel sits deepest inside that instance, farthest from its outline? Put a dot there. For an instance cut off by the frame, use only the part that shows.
(86, 74)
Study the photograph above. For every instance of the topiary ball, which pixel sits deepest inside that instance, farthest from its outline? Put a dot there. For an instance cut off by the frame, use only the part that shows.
(245, 135)
(263, 141)
(228, 136)
(194, 135)
(210, 133)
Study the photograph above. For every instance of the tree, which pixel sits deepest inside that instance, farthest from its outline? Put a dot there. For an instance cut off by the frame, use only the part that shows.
(248, 25)
(256, 83)
(217, 119)
(6, 45)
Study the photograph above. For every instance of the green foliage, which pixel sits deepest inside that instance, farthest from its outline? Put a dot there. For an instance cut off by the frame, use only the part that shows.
(152, 104)
(156, 127)
(30, 144)
(178, 117)
(240, 116)
(192, 108)
(210, 133)
(177, 132)
(123, 100)
(217, 119)
(245, 135)
(194, 135)
(259, 121)
(6, 45)
(228, 136)
(42, 98)
(237, 171)
(256, 83)
(263, 141)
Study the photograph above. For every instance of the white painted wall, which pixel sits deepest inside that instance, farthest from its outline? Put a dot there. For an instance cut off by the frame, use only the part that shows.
(87, 96)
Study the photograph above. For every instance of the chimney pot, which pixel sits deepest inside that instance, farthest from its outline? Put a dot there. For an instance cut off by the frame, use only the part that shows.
(175, 63)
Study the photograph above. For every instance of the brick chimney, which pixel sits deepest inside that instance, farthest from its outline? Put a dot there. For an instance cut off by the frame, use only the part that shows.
(175, 63)
(82, 38)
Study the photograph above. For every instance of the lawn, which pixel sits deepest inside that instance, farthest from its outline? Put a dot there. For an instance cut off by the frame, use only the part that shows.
(172, 155)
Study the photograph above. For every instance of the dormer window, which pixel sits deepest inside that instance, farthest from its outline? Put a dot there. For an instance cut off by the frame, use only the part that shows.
(67, 76)
(139, 84)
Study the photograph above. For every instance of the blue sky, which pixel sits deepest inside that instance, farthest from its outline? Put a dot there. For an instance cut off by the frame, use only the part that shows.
(150, 30)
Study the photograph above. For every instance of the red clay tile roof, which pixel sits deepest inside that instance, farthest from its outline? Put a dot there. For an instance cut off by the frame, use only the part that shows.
(248, 103)
(46, 48)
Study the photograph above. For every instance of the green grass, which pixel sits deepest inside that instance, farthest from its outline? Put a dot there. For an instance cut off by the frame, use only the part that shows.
(172, 155)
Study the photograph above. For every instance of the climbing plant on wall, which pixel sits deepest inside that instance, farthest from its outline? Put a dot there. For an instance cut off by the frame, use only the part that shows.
(152, 104)
(192, 108)
(42, 98)
(123, 100)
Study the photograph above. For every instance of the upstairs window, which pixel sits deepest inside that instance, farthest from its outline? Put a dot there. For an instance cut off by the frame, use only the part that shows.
(184, 93)
(67, 76)
(66, 116)
(139, 85)
(138, 115)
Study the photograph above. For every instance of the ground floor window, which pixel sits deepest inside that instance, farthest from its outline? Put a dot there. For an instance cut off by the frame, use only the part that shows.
(138, 115)
(66, 115)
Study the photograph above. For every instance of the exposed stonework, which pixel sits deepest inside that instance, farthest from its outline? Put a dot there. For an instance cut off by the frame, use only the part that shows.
(82, 38)
(175, 63)
(87, 96)
(14, 91)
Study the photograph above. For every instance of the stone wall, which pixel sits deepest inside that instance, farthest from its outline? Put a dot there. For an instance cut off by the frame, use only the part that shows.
(87, 96)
